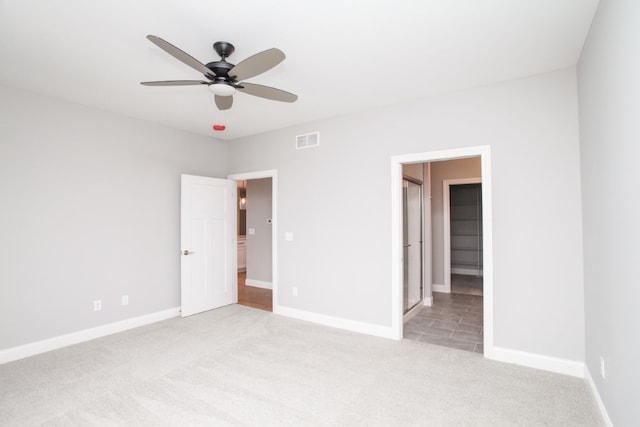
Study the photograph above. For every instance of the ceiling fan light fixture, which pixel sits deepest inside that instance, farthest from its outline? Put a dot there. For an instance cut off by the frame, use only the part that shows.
(222, 89)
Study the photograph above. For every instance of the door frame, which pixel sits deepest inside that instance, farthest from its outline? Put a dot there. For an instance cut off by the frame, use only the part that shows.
(446, 219)
(482, 151)
(273, 174)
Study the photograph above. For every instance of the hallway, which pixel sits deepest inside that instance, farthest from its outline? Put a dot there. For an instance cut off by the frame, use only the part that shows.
(252, 296)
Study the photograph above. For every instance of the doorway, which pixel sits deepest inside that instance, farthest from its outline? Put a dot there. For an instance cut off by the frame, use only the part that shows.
(257, 243)
(485, 308)
(462, 235)
(465, 238)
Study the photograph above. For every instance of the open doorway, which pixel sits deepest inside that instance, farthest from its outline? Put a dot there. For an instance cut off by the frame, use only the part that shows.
(455, 319)
(463, 236)
(256, 207)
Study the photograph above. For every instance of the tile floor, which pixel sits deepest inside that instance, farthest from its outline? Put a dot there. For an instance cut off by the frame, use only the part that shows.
(454, 320)
(464, 284)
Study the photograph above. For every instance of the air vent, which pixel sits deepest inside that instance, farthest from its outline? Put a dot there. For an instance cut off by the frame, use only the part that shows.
(307, 140)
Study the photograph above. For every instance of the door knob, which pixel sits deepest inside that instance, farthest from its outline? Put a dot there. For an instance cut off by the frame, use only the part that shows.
(186, 252)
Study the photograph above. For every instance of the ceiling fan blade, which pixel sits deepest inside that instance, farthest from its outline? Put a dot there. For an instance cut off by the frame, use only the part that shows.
(180, 55)
(257, 64)
(175, 83)
(267, 92)
(224, 102)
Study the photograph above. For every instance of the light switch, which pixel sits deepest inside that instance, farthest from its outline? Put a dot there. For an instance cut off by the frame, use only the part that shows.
(288, 236)
(252, 231)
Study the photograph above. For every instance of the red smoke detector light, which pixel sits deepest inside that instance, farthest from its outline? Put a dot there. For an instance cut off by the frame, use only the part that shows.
(219, 127)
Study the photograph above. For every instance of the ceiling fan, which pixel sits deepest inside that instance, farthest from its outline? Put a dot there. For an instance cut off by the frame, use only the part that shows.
(224, 78)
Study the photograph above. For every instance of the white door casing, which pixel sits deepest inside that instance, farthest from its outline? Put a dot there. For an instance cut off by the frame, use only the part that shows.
(208, 244)
(273, 174)
(396, 234)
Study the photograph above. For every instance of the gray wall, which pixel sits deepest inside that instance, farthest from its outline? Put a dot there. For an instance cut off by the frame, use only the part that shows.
(94, 202)
(451, 169)
(259, 249)
(336, 199)
(609, 90)
(90, 210)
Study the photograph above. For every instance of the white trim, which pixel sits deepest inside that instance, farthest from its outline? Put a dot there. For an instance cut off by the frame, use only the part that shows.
(258, 284)
(273, 174)
(446, 224)
(336, 322)
(428, 301)
(596, 395)
(537, 361)
(427, 286)
(484, 151)
(31, 349)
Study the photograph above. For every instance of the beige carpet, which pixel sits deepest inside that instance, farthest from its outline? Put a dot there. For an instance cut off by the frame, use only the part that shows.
(241, 366)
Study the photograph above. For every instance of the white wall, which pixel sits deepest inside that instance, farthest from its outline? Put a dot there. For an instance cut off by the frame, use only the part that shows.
(336, 199)
(609, 90)
(90, 210)
(450, 169)
(259, 249)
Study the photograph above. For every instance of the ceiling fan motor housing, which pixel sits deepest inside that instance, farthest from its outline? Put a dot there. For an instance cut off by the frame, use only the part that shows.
(220, 70)
(223, 49)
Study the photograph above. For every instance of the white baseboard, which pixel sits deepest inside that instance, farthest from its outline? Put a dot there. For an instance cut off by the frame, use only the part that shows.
(31, 349)
(336, 322)
(552, 364)
(596, 395)
(428, 301)
(258, 284)
(438, 287)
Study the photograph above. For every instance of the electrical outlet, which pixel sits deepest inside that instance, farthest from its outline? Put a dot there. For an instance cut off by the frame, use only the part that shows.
(97, 305)
(294, 291)
(125, 299)
(603, 370)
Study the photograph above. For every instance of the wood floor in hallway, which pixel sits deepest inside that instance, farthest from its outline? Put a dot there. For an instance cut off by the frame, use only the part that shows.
(252, 296)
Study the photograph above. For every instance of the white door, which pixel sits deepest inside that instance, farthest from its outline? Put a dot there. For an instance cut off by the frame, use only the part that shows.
(208, 240)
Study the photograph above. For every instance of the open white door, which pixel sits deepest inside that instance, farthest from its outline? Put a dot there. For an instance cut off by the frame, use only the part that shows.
(208, 240)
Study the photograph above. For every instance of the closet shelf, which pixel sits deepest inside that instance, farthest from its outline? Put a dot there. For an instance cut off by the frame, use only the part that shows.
(466, 264)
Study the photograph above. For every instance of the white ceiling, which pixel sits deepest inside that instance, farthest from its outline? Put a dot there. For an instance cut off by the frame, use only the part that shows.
(342, 56)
